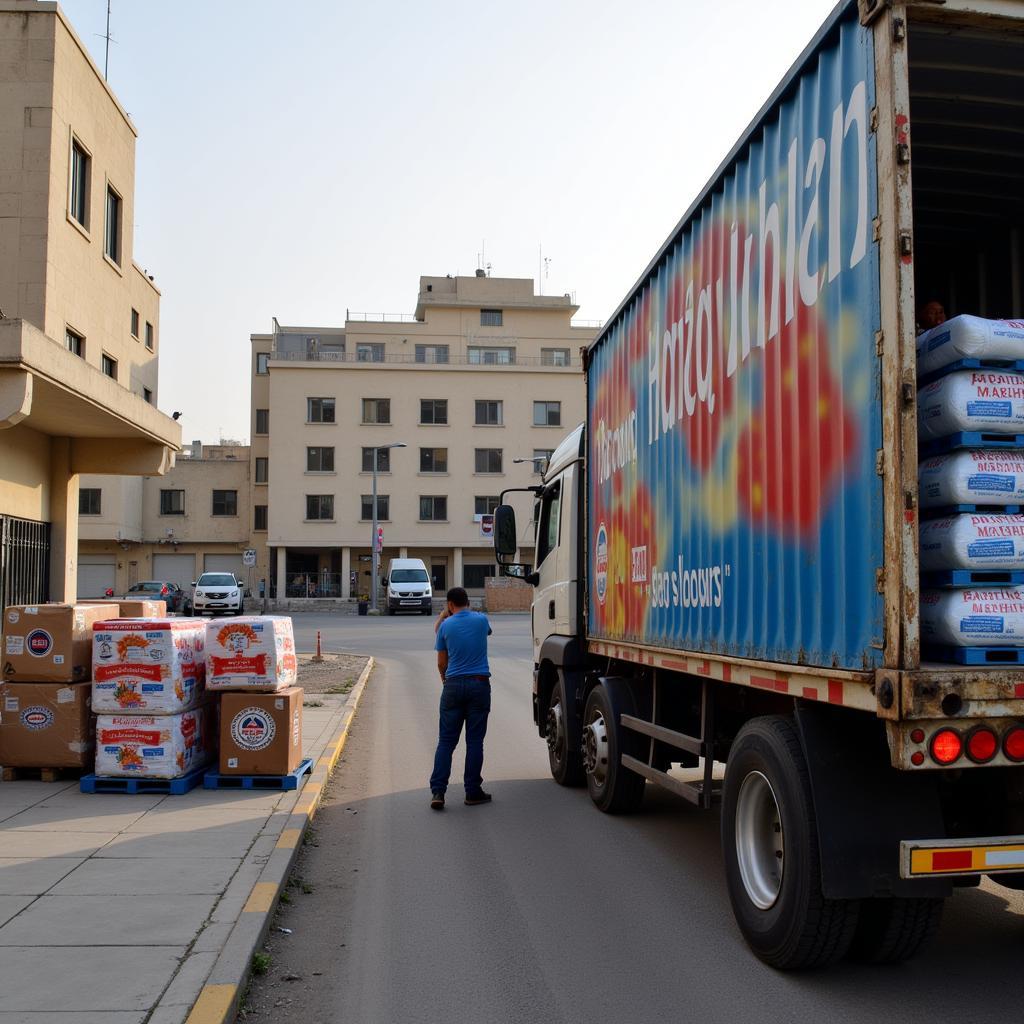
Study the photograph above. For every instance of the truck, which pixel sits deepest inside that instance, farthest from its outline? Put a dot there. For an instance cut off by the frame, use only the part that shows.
(726, 567)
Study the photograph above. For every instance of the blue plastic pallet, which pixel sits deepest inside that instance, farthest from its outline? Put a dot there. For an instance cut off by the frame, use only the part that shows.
(969, 439)
(973, 578)
(1016, 365)
(990, 656)
(116, 784)
(944, 511)
(214, 780)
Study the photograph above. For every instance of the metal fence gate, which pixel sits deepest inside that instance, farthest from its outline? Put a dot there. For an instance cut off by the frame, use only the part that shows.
(24, 561)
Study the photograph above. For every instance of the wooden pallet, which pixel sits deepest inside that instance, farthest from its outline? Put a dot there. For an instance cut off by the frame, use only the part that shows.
(16, 774)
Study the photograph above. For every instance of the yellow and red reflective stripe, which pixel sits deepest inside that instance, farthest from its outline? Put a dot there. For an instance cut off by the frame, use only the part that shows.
(966, 859)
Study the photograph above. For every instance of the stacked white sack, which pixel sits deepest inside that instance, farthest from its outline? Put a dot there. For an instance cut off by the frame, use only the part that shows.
(973, 618)
(969, 337)
(156, 746)
(979, 400)
(972, 477)
(148, 666)
(973, 542)
(254, 652)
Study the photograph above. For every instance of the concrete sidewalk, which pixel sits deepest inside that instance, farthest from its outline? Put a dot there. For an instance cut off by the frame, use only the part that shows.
(129, 909)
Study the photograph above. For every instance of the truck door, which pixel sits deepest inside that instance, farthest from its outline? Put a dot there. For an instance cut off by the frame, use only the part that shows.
(555, 595)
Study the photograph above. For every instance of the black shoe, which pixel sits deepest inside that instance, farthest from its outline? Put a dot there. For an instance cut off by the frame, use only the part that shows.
(437, 801)
(480, 797)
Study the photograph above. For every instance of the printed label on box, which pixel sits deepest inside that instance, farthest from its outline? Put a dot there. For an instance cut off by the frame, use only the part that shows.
(15, 645)
(65, 695)
(253, 729)
(37, 718)
(39, 643)
(13, 616)
(11, 704)
(232, 762)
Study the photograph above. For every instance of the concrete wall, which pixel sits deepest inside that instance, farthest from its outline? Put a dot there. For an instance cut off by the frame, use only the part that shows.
(25, 482)
(505, 594)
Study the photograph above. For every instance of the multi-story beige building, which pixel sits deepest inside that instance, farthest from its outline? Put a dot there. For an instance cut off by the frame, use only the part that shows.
(193, 519)
(79, 334)
(478, 385)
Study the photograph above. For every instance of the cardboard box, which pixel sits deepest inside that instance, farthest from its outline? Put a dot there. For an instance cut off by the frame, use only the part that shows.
(149, 666)
(253, 652)
(46, 725)
(136, 609)
(156, 746)
(261, 733)
(49, 643)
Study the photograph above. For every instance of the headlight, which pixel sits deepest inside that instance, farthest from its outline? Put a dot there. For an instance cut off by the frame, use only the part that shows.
(234, 593)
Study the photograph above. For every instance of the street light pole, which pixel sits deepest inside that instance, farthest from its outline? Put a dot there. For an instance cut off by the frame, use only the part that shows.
(374, 553)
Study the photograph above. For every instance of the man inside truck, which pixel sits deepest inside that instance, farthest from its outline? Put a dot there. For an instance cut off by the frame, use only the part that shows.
(461, 645)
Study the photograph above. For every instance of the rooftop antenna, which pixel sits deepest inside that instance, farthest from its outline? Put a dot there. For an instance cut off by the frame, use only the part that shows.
(108, 37)
(542, 268)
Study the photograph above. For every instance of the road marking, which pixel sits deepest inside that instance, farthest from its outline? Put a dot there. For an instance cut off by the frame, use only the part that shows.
(213, 1004)
(261, 899)
(289, 839)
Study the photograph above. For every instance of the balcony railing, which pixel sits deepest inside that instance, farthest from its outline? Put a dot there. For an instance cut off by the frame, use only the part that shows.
(313, 584)
(380, 318)
(410, 359)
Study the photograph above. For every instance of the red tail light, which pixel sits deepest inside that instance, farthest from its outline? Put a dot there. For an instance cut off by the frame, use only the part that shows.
(163, 589)
(946, 746)
(1013, 744)
(982, 745)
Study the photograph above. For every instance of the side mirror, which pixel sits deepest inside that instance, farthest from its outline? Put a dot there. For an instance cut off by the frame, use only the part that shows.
(192, 584)
(505, 533)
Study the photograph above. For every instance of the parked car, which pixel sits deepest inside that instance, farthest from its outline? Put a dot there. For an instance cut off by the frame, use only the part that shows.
(219, 593)
(158, 590)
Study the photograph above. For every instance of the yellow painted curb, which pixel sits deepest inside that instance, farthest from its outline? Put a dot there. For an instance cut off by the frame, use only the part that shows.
(289, 839)
(261, 899)
(213, 1004)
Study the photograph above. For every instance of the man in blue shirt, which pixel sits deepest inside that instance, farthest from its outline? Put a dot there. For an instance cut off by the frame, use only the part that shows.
(461, 646)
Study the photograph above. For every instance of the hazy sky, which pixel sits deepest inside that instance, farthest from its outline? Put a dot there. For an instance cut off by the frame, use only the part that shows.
(297, 159)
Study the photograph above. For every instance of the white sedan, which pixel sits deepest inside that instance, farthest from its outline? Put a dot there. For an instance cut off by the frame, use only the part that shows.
(217, 592)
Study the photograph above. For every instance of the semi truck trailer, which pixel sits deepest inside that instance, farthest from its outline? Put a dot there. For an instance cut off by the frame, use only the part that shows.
(726, 563)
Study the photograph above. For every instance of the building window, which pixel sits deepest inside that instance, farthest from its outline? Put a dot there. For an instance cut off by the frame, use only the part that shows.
(147, 395)
(488, 460)
(319, 460)
(433, 460)
(262, 469)
(75, 342)
(79, 197)
(259, 519)
(554, 357)
(320, 506)
(490, 318)
(433, 410)
(109, 366)
(376, 410)
(541, 458)
(225, 503)
(383, 460)
(473, 576)
(319, 410)
(112, 235)
(431, 353)
(366, 507)
(262, 359)
(89, 501)
(172, 503)
(369, 352)
(488, 413)
(490, 356)
(547, 414)
(485, 504)
(150, 341)
(135, 324)
(433, 508)
(262, 421)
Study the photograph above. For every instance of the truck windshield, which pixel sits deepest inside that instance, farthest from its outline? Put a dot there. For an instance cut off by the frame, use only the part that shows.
(409, 576)
(547, 530)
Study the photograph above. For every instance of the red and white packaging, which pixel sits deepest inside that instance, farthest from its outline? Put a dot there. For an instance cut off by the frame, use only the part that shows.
(969, 337)
(973, 618)
(972, 541)
(156, 746)
(253, 652)
(147, 666)
(987, 400)
(972, 477)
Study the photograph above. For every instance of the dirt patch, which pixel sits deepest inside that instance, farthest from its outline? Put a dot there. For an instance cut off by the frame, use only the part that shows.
(337, 673)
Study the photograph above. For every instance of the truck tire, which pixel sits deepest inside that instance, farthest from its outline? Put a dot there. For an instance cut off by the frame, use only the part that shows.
(891, 930)
(566, 764)
(770, 848)
(613, 788)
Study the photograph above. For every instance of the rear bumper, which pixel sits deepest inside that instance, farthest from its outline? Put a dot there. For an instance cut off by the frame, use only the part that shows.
(929, 858)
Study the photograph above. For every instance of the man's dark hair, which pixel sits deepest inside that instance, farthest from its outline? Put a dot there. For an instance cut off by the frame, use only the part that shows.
(458, 597)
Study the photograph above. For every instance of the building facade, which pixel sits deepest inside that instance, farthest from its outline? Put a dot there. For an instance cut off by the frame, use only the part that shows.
(193, 519)
(79, 333)
(456, 402)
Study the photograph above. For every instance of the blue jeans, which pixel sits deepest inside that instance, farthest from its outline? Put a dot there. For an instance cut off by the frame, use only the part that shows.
(463, 699)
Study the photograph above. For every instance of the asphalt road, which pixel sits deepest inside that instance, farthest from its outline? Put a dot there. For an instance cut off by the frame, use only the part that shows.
(537, 908)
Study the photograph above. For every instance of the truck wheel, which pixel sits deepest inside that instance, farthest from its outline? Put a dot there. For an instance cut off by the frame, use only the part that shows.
(566, 764)
(770, 847)
(891, 930)
(613, 788)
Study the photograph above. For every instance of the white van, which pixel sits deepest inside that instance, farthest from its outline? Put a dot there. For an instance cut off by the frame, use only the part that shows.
(408, 586)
